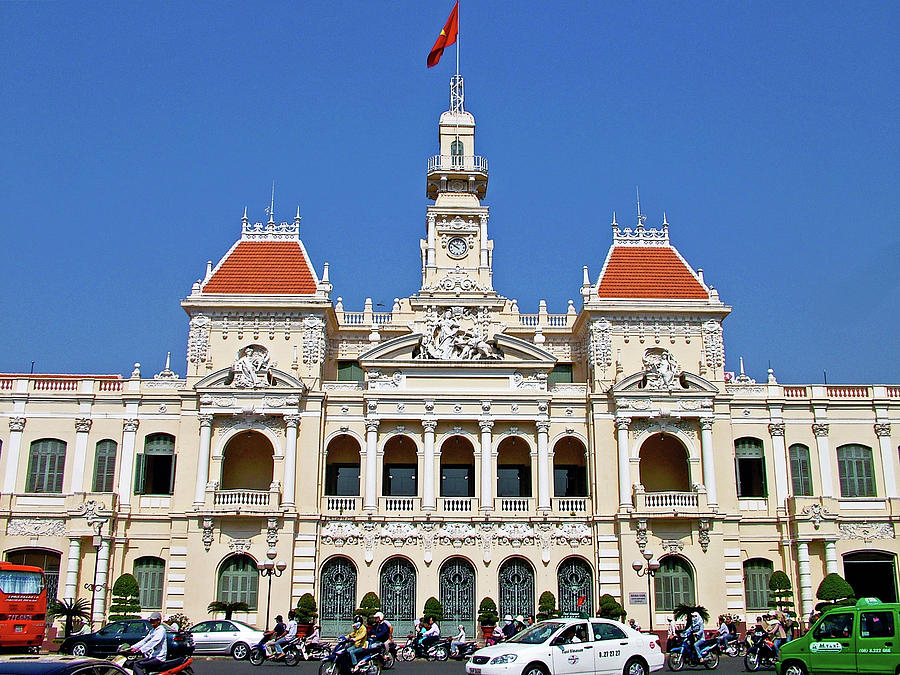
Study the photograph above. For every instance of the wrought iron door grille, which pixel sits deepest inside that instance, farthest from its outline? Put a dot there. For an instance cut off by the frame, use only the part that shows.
(457, 582)
(338, 596)
(398, 594)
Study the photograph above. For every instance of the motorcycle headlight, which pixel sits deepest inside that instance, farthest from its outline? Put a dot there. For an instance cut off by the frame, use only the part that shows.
(504, 658)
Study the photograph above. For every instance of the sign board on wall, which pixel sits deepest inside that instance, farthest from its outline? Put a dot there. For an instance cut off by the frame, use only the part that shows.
(637, 598)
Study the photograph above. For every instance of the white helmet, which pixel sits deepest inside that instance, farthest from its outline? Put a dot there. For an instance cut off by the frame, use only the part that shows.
(508, 617)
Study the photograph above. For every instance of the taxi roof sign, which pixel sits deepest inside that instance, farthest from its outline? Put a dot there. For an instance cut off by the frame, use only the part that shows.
(868, 602)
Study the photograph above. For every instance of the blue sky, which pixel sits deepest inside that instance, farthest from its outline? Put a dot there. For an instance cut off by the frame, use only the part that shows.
(133, 135)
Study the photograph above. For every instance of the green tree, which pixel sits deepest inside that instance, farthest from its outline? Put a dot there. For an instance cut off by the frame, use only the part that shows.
(834, 591)
(228, 608)
(487, 612)
(684, 611)
(610, 607)
(306, 611)
(434, 609)
(781, 594)
(126, 602)
(368, 605)
(547, 607)
(69, 610)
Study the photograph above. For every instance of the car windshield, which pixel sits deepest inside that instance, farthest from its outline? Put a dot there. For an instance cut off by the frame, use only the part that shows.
(536, 634)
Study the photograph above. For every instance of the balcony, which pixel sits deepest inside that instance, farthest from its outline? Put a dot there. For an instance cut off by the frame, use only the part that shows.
(514, 504)
(570, 505)
(458, 504)
(670, 503)
(458, 164)
(341, 505)
(388, 505)
(246, 501)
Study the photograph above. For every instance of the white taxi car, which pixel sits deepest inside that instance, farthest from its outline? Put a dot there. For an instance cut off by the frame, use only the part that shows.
(571, 647)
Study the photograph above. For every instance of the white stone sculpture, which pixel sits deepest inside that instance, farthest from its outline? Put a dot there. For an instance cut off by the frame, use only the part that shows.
(250, 369)
(661, 370)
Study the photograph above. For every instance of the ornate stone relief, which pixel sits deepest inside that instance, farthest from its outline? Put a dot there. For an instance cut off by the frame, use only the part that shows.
(634, 404)
(776, 429)
(820, 429)
(601, 345)
(250, 369)
(817, 513)
(239, 545)
(661, 370)
(198, 339)
(83, 425)
(446, 339)
(279, 401)
(641, 534)
(866, 531)
(207, 532)
(313, 340)
(379, 380)
(883, 429)
(16, 423)
(672, 545)
(537, 382)
(692, 404)
(36, 527)
(703, 528)
(271, 532)
(92, 510)
(713, 344)
(219, 401)
(252, 420)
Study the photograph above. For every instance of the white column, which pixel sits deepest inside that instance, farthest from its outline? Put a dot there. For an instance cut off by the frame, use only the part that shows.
(484, 240)
(16, 426)
(203, 460)
(126, 471)
(73, 561)
(429, 251)
(830, 557)
(82, 427)
(543, 465)
(824, 452)
(487, 470)
(806, 593)
(776, 430)
(883, 431)
(622, 424)
(99, 599)
(709, 462)
(292, 424)
(428, 500)
(370, 499)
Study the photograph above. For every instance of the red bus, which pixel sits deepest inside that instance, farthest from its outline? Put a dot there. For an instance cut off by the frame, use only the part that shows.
(23, 605)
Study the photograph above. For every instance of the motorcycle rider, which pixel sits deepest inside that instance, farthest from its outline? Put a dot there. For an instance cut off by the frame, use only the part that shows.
(458, 642)
(509, 628)
(723, 633)
(695, 634)
(289, 634)
(358, 636)
(153, 646)
(312, 640)
(431, 635)
(270, 636)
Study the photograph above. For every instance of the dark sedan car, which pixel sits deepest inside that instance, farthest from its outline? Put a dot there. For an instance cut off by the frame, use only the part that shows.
(107, 640)
(57, 665)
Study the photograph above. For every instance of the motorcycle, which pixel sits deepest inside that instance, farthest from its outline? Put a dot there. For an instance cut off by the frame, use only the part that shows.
(436, 651)
(761, 652)
(259, 655)
(329, 660)
(681, 654)
(464, 651)
(314, 651)
(733, 646)
(180, 664)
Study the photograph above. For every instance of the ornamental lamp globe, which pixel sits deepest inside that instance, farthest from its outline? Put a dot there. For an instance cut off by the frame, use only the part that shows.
(281, 565)
(637, 565)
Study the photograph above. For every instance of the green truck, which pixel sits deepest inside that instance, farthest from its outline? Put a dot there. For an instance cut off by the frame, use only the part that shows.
(853, 639)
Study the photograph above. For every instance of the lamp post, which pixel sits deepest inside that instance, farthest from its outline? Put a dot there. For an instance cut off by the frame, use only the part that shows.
(98, 542)
(269, 568)
(649, 571)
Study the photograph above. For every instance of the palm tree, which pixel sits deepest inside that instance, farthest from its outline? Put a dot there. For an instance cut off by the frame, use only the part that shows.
(227, 607)
(70, 610)
(683, 611)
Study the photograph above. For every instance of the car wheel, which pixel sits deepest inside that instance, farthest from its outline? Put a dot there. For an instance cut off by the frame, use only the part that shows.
(635, 667)
(79, 649)
(675, 661)
(240, 651)
(535, 669)
(794, 668)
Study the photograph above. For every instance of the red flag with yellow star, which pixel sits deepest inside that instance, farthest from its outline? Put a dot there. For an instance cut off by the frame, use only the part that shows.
(446, 38)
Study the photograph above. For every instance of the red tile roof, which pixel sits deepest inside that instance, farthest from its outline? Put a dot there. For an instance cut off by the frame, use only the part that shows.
(654, 272)
(261, 267)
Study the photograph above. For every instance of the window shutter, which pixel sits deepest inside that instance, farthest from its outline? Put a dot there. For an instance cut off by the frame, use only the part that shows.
(172, 476)
(139, 474)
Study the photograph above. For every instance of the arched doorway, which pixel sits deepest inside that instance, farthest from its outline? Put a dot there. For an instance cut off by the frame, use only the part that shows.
(664, 465)
(575, 581)
(872, 574)
(338, 596)
(516, 583)
(239, 580)
(400, 475)
(398, 594)
(457, 472)
(342, 467)
(43, 558)
(457, 584)
(247, 462)
(569, 469)
(513, 468)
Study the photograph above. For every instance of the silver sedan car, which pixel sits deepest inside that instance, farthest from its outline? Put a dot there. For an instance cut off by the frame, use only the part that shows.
(225, 636)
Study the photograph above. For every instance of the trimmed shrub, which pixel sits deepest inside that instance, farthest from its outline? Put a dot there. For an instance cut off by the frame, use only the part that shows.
(547, 607)
(369, 605)
(487, 612)
(610, 608)
(434, 609)
(781, 594)
(834, 590)
(126, 602)
(306, 611)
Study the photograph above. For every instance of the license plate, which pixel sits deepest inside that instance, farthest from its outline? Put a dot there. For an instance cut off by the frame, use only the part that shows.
(474, 671)
(20, 629)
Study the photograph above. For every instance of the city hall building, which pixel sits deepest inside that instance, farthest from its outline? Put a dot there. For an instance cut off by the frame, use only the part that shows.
(454, 446)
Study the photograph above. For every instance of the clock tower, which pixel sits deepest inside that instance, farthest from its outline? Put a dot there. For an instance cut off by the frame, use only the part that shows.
(456, 253)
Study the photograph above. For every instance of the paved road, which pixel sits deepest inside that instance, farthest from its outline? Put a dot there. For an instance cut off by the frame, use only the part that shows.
(226, 666)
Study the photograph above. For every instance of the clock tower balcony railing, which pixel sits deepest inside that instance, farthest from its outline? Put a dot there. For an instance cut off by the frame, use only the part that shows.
(461, 164)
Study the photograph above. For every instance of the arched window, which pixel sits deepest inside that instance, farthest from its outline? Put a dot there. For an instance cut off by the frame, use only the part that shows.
(45, 466)
(342, 467)
(46, 560)
(569, 468)
(674, 584)
(398, 593)
(750, 466)
(664, 465)
(513, 468)
(149, 573)
(105, 466)
(456, 152)
(575, 586)
(400, 477)
(155, 467)
(856, 471)
(756, 583)
(801, 478)
(457, 468)
(238, 581)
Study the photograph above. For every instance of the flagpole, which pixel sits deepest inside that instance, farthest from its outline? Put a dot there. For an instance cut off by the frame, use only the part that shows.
(457, 38)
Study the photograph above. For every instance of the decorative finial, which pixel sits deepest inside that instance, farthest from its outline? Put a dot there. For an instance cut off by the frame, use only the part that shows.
(641, 217)
(271, 209)
(245, 219)
(665, 221)
(297, 217)
(742, 365)
(614, 223)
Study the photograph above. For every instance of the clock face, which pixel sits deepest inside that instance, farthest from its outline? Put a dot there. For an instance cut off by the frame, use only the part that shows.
(457, 247)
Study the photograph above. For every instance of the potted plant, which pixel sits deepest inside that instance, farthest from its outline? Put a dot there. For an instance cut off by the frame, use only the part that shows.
(487, 617)
(434, 609)
(547, 607)
(370, 604)
(227, 608)
(305, 614)
(126, 599)
(610, 608)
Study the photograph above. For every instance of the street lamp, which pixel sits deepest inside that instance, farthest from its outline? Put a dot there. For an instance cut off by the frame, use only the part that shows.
(94, 587)
(270, 568)
(652, 566)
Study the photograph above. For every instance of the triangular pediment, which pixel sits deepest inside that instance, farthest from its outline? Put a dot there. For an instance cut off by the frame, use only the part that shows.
(501, 350)
(223, 379)
(685, 383)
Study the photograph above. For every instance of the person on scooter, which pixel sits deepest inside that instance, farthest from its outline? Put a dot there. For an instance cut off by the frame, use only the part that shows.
(289, 634)
(694, 634)
(723, 633)
(270, 636)
(458, 642)
(153, 646)
(431, 635)
(509, 627)
(497, 634)
(358, 636)
(312, 640)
